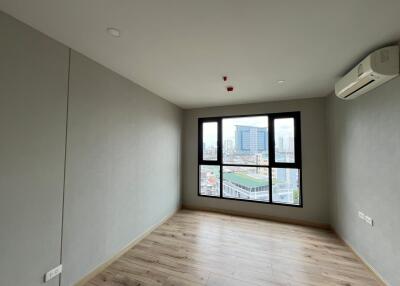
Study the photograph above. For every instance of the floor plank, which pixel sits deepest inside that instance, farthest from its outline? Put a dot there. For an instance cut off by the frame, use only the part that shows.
(196, 248)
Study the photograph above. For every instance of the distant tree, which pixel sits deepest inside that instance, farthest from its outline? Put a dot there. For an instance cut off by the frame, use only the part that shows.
(296, 195)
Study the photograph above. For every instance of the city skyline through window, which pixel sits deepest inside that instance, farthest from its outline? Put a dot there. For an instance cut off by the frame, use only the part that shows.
(210, 140)
(251, 158)
(245, 140)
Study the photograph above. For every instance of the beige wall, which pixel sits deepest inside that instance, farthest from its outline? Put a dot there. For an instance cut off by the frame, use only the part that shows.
(315, 192)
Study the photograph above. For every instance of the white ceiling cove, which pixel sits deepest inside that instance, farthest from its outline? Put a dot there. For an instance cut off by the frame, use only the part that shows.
(180, 49)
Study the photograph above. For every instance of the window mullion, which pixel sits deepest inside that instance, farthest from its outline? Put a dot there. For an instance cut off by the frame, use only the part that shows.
(219, 141)
(271, 140)
(271, 152)
(270, 184)
(220, 159)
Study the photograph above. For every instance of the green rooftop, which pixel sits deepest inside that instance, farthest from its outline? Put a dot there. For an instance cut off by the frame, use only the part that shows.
(245, 180)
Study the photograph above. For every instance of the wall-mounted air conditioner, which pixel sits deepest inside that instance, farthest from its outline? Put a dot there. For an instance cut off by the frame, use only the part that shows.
(376, 69)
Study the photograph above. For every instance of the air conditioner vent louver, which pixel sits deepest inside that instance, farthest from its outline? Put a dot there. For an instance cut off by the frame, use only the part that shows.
(376, 69)
(364, 85)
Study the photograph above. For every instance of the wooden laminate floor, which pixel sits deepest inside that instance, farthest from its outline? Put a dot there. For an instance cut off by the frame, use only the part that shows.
(202, 248)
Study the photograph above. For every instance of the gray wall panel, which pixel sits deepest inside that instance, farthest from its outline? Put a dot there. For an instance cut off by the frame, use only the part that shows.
(123, 159)
(123, 165)
(33, 102)
(364, 165)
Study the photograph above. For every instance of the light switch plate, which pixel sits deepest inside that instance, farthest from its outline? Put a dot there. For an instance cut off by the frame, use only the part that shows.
(53, 273)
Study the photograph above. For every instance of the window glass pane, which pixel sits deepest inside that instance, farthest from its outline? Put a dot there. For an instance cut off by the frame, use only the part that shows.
(286, 186)
(284, 140)
(245, 140)
(247, 183)
(210, 139)
(209, 180)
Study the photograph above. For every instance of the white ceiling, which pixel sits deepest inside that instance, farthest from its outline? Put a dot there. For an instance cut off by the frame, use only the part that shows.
(180, 49)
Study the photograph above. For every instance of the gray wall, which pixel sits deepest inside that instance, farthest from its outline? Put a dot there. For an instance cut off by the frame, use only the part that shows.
(123, 165)
(33, 106)
(364, 166)
(314, 153)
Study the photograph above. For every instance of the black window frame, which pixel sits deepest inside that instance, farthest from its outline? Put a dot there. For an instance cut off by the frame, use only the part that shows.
(297, 164)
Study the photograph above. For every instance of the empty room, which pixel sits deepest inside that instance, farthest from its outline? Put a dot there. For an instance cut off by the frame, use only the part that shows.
(199, 143)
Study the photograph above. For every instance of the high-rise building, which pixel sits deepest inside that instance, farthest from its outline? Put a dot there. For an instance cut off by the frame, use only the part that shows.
(251, 139)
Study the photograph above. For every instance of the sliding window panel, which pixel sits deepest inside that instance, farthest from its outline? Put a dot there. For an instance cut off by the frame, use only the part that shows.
(209, 180)
(286, 186)
(245, 140)
(246, 183)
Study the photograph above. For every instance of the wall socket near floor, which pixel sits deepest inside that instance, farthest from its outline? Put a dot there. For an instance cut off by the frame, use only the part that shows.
(366, 218)
(53, 273)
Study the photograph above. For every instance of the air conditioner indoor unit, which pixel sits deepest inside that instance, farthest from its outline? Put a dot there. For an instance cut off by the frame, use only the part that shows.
(376, 69)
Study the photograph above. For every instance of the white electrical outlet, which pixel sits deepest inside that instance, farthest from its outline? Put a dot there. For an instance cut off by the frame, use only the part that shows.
(369, 220)
(53, 273)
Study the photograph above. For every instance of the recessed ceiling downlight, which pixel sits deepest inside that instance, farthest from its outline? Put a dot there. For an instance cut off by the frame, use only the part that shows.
(114, 32)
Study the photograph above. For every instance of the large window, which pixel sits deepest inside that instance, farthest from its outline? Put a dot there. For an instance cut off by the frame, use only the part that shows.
(253, 158)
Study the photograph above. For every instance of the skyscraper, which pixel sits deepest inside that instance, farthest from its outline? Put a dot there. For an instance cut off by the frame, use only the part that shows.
(251, 139)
